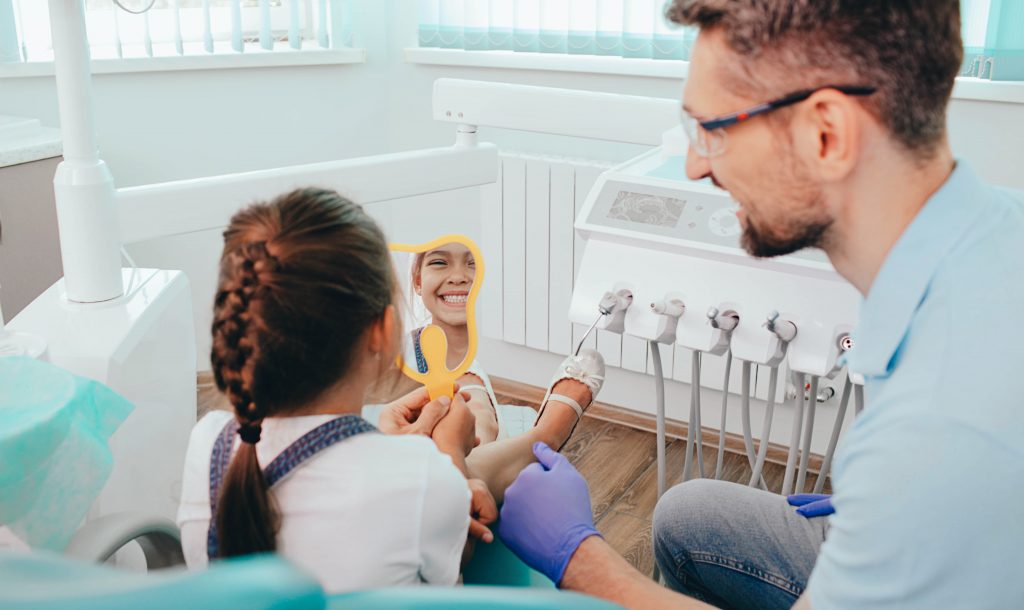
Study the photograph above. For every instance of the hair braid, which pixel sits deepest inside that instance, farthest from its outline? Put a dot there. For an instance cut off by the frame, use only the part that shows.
(236, 352)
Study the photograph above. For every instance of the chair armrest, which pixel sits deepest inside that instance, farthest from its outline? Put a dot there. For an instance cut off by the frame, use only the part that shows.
(99, 539)
(466, 598)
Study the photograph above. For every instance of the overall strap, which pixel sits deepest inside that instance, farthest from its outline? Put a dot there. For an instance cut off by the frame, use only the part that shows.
(311, 443)
(421, 362)
(219, 461)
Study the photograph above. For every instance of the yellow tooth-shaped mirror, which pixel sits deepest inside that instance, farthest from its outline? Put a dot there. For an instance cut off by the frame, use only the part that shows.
(441, 280)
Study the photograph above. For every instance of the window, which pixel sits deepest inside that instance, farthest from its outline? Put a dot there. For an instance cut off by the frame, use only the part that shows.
(172, 28)
(623, 28)
(993, 30)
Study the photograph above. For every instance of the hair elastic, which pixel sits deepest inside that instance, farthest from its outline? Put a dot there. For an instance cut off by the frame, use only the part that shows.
(250, 433)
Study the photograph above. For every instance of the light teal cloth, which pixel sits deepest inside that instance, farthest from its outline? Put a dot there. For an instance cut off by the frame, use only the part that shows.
(54, 456)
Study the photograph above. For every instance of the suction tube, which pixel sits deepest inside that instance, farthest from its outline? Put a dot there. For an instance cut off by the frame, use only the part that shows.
(794, 437)
(756, 478)
(725, 405)
(694, 439)
(805, 451)
(659, 389)
(826, 465)
(748, 441)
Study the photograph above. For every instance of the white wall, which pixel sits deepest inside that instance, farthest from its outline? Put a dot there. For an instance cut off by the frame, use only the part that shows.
(172, 125)
(160, 126)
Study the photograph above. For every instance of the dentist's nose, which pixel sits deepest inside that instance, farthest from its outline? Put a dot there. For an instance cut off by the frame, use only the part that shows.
(697, 166)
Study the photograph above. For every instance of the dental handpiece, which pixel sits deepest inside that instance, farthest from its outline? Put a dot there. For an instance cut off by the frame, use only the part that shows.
(783, 329)
(609, 303)
(723, 321)
(614, 301)
(672, 307)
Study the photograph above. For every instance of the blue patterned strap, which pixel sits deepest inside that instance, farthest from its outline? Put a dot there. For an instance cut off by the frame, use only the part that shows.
(219, 461)
(311, 443)
(421, 362)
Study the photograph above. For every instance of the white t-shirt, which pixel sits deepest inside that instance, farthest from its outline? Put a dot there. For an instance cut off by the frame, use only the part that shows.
(373, 510)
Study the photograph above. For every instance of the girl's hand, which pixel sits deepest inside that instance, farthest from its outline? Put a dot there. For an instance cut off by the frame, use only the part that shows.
(413, 413)
(455, 434)
(483, 510)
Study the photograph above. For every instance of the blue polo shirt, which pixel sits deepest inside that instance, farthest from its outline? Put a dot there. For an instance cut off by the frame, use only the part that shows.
(929, 480)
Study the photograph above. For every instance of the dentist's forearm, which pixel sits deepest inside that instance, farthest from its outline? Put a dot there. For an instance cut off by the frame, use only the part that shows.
(597, 570)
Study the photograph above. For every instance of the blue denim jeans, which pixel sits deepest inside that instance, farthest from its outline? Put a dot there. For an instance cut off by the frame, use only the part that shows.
(733, 546)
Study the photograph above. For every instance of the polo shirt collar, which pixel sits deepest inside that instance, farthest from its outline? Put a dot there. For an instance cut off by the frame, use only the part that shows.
(902, 282)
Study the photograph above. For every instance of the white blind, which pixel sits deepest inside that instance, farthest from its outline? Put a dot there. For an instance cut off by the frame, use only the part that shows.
(181, 27)
(993, 30)
(624, 28)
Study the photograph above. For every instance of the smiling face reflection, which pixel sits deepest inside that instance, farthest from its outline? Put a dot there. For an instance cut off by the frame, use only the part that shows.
(442, 278)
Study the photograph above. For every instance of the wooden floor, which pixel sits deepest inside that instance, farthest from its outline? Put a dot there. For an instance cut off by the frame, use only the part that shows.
(619, 463)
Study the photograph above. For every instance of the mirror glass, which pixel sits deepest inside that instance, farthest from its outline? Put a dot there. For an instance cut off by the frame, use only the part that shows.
(439, 281)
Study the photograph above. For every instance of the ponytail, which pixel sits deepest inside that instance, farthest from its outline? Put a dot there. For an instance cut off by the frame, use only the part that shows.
(246, 518)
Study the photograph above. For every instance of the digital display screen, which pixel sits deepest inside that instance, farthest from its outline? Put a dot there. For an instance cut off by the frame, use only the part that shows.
(646, 208)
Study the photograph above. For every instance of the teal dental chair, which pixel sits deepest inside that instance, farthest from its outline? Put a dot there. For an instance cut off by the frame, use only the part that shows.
(46, 581)
(43, 580)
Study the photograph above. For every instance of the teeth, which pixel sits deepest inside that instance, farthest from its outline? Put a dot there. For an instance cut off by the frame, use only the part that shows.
(451, 298)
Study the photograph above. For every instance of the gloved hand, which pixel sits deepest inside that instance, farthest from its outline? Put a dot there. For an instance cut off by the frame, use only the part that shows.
(812, 505)
(547, 513)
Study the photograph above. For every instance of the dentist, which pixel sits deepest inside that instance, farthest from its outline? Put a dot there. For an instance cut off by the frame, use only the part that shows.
(826, 121)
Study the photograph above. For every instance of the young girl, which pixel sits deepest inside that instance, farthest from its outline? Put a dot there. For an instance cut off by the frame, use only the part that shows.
(441, 279)
(304, 322)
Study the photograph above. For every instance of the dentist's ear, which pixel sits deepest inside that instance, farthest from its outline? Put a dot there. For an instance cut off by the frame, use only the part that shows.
(829, 130)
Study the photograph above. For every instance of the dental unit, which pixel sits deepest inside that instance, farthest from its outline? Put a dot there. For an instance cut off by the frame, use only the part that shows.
(647, 225)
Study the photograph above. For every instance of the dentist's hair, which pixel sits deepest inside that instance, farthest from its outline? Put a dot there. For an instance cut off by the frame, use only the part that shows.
(909, 50)
(301, 279)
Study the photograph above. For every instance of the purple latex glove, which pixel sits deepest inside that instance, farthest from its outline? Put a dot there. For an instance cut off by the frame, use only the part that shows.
(812, 505)
(546, 514)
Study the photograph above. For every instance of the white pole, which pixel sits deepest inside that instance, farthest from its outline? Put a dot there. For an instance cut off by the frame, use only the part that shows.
(84, 188)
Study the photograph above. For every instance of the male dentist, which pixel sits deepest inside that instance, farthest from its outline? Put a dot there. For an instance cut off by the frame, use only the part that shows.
(826, 121)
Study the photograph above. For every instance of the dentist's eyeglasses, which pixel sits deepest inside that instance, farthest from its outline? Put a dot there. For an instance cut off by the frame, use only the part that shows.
(708, 138)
